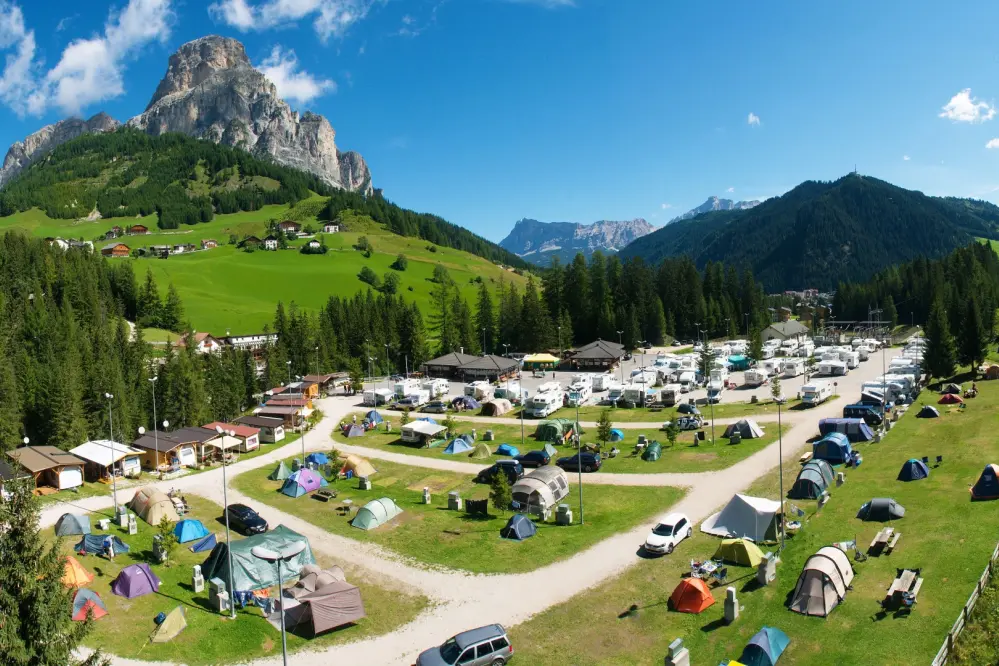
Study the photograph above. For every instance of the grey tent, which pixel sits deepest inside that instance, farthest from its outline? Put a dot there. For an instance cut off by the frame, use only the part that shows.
(881, 509)
(280, 473)
(746, 428)
(333, 604)
(753, 518)
(375, 513)
(928, 412)
(823, 582)
(93, 544)
(70, 524)
(952, 388)
(812, 481)
(252, 573)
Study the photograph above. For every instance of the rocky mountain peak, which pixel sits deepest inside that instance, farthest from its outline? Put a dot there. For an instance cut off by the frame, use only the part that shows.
(197, 61)
(22, 153)
(538, 241)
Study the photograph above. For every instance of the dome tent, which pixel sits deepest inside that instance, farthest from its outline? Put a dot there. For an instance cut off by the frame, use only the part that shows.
(823, 582)
(913, 470)
(87, 602)
(376, 513)
(358, 465)
(881, 509)
(950, 399)
(812, 481)
(834, 448)
(189, 530)
(457, 445)
(518, 528)
(135, 580)
(746, 428)
(507, 450)
(70, 524)
(93, 544)
(353, 430)
(692, 595)
(480, 452)
(373, 417)
(987, 486)
(928, 412)
(302, 482)
(739, 551)
(153, 506)
(765, 647)
(616, 435)
(75, 575)
(317, 458)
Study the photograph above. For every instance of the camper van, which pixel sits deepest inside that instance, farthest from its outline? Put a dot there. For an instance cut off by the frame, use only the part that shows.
(377, 397)
(550, 387)
(890, 391)
(670, 394)
(615, 391)
(864, 352)
(417, 397)
(832, 368)
(601, 382)
(687, 381)
(479, 390)
(755, 377)
(640, 395)
(544, 404)
(579, 393)
(719, 375)
(805, 349)
(789, 347)
(404, 387)
(437, 387)
(794, 367)
(772, 366)
(816, 393)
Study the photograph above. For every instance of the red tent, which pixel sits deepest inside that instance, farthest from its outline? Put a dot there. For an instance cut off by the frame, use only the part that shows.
(692, 595)
(950, 399)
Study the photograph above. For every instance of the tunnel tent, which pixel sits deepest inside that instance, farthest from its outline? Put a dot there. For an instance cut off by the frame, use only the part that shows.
(987, 486)
(376, 513)
(153, 505)
(823, 582)
(881, 509)
(250, 572)
(86, 603)
(813, 480)
(70, 524)
(652, 452)
(913, 470)
(280, 473)
(496, 407)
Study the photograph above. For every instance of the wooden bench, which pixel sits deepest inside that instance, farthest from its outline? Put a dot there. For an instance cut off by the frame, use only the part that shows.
(907, 583)
(891, 544)
(325, 495)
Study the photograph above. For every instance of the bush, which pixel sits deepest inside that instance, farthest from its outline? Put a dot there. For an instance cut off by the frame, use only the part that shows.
(390, 283)
(400, 263)
(367, 275)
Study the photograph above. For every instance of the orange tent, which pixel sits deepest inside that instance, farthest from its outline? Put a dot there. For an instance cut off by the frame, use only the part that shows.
(691, 596)
(76, 575)
(950, 399)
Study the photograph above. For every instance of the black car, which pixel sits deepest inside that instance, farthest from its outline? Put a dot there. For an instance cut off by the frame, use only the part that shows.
(512, 468)
(534, 459)
(590, 462)
(245, 520)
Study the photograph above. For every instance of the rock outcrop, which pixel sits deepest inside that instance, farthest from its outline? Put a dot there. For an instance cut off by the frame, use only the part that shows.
(22, 153)
(713, 204)
(538, 242)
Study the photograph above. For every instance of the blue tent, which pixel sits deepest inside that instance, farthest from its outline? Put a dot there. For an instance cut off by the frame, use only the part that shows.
(189, 530)
(317, 458)
(519, 527)
(373, 417)
(856, 430)
(466, 402)
(687, 408)
(427, 419)
(468, 437)
(93, 544)
(913, 470)
(765, 648)
(616, 435)
(204, 544)
(507, 450)
(987, 486)
(457, 445)
(302, 482)
(834, 448)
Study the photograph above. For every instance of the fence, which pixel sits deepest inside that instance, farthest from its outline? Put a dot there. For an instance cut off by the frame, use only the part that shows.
(948, 646)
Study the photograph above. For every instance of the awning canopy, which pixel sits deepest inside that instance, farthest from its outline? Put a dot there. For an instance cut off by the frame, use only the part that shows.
(104, 452)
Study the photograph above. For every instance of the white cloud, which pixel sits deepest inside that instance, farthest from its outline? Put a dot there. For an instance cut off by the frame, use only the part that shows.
(329, 17)
(905, 158)
(408, 20)
(992, 144)
(730, 190)
(17, 83)
(963, 108)
(753, 120)
(667, 206)
(295, 85)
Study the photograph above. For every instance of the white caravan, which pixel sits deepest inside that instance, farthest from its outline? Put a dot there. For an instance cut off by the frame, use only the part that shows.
(806, 349)
(543, 404)
(832, 368)
(615, 392)
(404, 387)
(816, 393)
(602, 382)
(437, 387)
(579, 394)
(640, 395)
(549, 387)
(852, 359)
(755, 377)
(789, 347)
(376, 397)
(479, 390)
(772, 366)
(419, 395)
(670, 394)
(687, 381)
(794, 367)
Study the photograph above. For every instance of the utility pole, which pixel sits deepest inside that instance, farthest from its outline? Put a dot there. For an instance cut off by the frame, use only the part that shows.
(579, 464)
(114, 477)
(621, 364)
(156, 436)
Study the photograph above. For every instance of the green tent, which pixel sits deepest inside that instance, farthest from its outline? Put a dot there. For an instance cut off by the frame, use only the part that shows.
(251, 573)
(652, 452)
(554, 430)
(280, 473)
(175, 622)
(375, 513)
(481, 451)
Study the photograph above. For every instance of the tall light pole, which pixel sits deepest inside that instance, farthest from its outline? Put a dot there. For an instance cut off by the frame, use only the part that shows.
(620, 341)
(747, 325)
(114, 479)
(780, 468)
(288, 363)
(156, 435)
(228, 539)
(711, 404)
(579, 464)
(272, 556)
(317, 363)
(388, 369)
(305, 423)
(484, 352)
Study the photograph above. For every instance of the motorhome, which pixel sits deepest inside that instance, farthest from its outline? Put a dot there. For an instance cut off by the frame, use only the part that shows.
(670, 394)
(805, 349)
(816, 393)
(418, 396)
(768, 352)
(687, 381)
(890, 391)
(437, 387)
(377, 397)
(510, 391)
(789, 347)
(602, 382)
(404, 387)
(794, 367)
(772, 366)
(584, 378)
(549, 387)
(755, 377)
(479, 390)
(863, 352)
(579, 393)
(640, 395)
(615, 391)
(719, 375)
(543, 404)
(852, 359)
(832, 368)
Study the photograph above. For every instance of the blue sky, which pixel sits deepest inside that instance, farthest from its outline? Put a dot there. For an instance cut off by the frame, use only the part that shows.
(486, 111)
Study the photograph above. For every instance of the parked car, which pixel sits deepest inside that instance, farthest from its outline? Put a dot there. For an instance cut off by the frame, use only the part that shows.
(435, 407)
(485, 646)
(686, 423)
(512, 468)
(589, 461)
(668, 534)
(534, 459)
(245, 520)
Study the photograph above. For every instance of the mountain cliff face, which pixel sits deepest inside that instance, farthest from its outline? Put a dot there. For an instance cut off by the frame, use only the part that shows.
(23, 153)
(713, 204)
(538, 242)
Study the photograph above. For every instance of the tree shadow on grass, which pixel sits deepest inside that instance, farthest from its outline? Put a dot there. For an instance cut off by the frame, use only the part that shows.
(713, 625)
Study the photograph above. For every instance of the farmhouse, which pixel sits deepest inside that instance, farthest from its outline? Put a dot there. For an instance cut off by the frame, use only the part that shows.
(116, 250)
(331, 228)
(183, 247)
(785, 330)
(204, 343)
(313, 244)
(209, 244)
(50, 466)
(250, 241)
(271, 242)
(289, 226)
(137, 230)
(113, 232)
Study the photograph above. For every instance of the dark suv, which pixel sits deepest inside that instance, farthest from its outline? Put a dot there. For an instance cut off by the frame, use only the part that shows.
(245, 520)
(537, 458)
(590, 462)
(513, 470)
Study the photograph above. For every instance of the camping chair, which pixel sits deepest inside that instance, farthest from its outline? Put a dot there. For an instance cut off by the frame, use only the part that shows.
(926, 460)
(719, 576)
(939, 461)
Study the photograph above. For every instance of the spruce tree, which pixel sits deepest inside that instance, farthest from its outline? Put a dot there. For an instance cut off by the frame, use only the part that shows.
(485, 319)
(939, 358)
(604, 427)
(11, 414)
(172, 317)
(500, 495)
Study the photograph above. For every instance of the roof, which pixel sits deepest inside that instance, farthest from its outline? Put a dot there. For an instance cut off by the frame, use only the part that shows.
(239, 430)
(287, 402)
(260, 421)
(280, 409)
(491, 362)
(600, 349)
(104, 452)
(40, 458)
(320, 379)
(8, 472)
(789, 328)
(424, 428)
(473, 636)
(167, 441)
(452, 360)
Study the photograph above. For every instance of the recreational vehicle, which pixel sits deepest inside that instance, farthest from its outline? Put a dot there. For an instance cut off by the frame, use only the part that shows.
(771, 367)
(805, 349)
(816, 393)
(511, 391)
(437, 387)
(418, 397)
(754, 377)
(579, 393)
(601, 382)
(550, 387)
(479, 390)
(544, 404)
(832, 368)
(852, 359)
(864, 352)
(615, 391)
(670, 394)
(794, 367)
(376, 397)
(640, 395)
(687, 381)
(789, 347)
(405, 386)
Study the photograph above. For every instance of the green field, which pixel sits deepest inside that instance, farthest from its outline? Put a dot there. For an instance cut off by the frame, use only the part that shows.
(437, 537)
(644, 415)
(944, 533)
(211, 638)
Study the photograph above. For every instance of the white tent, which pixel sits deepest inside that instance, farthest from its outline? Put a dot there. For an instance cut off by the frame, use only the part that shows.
(823, 582)
(746, 517)
(747, 429)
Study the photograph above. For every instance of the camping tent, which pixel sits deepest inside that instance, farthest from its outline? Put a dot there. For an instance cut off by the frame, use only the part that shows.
(75, 575)
(738, 362)
(206, 543)
(465, 402)
(765, 647)
(457, 445)
(540, 361)
(744, 516)
(311, 578)
(427, 419)
(497, 407)
(358, 465)
(954, 389)
(692, 595)
(250, 572)
(301, 482)
(93, 544)
(747, 429)
(519, 527)
(353, 430)
(881, 509)
(987, 486)
(739, 551)
(950, 399)
(333, 604)
(834, 448)
(856, 430)
(652, 452)
(616, 435)
(189, 530)
(375, 513)
(481, 451)
(549, 449)
(134, 581)
(153, 506)
(553, 430)
(87, 602)
(507, 450)
(823, 582)
(812, 481)
(317, 458)
(280, 473)
(928, 412)
(373, 417)
(175, 622)
(913, 470)
(70, 524)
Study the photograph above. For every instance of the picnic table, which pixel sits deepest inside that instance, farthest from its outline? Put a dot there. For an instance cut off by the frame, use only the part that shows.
(702, 569)
(885, 540)
(903, 591)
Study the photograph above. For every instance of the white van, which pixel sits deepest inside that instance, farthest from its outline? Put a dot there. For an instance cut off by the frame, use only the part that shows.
(794, 367)
(544, 404)
(755, 377)
(816, 393)
(687, 381)
(772, 366)
(832, 368)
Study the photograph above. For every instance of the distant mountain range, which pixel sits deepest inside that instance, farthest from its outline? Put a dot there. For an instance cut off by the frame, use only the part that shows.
(714, 204)
(538, 242)
(822, 233)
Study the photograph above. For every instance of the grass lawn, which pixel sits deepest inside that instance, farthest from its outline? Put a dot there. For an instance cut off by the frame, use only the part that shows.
(435, 536)
(590, 413)
(209, 637)
(944, 533)
(159, 336)
(88, 489)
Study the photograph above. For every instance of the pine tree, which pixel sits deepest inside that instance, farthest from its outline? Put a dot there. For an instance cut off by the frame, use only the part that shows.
(172, 317)
(604, 427)
(756, 345)
(500, 494)
(939, 358)
(69, 424)
(11, 415)
(971, 339)
(659, 332)
(149, 305)
(442, 318)
(890, 313)
(468, 337)
(485, 319)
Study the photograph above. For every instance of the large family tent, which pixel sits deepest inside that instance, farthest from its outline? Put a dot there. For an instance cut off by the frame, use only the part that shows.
(250, 572)
(280, 473)
(93, 544)
(652, 452)
(375, 513)
(987, 486)
(312, 577)
(856, 430)
(481, 451)
(70, 524)
(753, 518)
(457, 445)
(952, 388)
(738, 362)
(153, 506)
(206, 543)
(332, 604)
(174, 623)
(746, 428)
(881, 509)
(302, 482)
(317, 458)
(553, 430)
(834, 448)
(928, 412)
(373, 417)
(353, 430)
(812, 481)
(692, 595)
(541, 490)
(134, 581)
(507, 450)
(86, 602)
(497, 407)
(823, 582)
(913, 470)
(739, 551)
(950, 399)
(616, 435)
(75, 575)
(518, 528)
(358, 465)
(765, 647)
(189, 530)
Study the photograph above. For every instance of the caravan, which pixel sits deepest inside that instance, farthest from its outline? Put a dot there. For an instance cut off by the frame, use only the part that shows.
(832, 368)
(544, 404)
(789, 347)
(688, 381)
(602, 382)
(437, 388)
(580, 390)
(639, 394)
(615, 391)
(754, 377)
(670, 395)
(772, 367)
(376, 397)
(794, 367)
(479, 390)
(404, 387)
(816, 393)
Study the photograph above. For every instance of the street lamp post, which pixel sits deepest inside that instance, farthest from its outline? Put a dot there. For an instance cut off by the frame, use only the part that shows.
(620, 341)
(388, 368)
(780, 468)
(747, 325)
(228, 539)
(317, 363)
(156, 435)
(114, 479)
(579, 464)
(272, 556)
(305, 424)
(711, 404)
(288, 363)
(484, 352)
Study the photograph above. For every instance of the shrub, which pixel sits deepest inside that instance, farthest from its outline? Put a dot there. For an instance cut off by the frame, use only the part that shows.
(367, 275)
(400, 263)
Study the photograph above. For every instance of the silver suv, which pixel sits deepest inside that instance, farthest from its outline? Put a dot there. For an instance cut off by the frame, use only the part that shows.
(485, 646)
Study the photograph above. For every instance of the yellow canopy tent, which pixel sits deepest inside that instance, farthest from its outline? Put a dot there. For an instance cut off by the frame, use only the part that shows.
(358, 465)
(540, 361)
